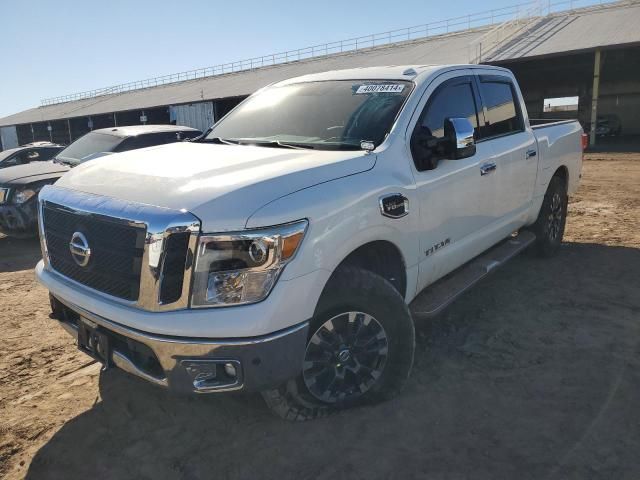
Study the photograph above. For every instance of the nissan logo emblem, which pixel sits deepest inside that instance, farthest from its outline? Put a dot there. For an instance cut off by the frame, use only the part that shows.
(79, 248)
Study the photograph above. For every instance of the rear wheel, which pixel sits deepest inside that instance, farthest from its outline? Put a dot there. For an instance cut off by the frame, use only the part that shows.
(551, 221)
(360, 349)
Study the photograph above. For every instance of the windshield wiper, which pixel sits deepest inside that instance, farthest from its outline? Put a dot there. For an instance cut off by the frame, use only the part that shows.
(276, 143)
(223, 141)
(343, 143)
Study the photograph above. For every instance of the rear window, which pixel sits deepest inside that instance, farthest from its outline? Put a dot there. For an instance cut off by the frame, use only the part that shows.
(503, 116)
(88, 145)
(153, 139)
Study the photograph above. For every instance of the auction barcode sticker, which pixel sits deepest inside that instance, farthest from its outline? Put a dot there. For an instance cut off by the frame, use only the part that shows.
(380, 88)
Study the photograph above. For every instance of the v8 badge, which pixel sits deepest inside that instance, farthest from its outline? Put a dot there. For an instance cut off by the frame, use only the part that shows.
(394, 205)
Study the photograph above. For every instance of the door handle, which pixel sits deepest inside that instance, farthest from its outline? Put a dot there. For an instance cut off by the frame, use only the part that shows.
(531, 153)
(487, 168)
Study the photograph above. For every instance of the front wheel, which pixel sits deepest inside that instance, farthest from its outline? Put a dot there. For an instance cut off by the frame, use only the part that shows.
(359, 350)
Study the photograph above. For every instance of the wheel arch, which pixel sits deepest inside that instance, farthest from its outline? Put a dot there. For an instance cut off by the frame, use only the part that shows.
(562, 172)
(381, 257)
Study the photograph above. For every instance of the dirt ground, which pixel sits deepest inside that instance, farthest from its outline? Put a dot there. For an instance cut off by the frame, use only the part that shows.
(533, 374)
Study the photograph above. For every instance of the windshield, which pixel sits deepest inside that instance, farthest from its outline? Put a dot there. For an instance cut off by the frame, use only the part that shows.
(337, 114)
(88, 145)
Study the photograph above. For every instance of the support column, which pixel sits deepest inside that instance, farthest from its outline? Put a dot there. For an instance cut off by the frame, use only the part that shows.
(216, 117)
(115, 120)
(594, 98)
(69, 127)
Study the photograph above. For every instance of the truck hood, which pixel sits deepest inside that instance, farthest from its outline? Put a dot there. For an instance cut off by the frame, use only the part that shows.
(221, 184)
(32, 172)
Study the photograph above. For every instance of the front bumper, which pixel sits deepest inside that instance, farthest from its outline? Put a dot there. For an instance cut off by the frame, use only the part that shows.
(19, 220)
(194, 364)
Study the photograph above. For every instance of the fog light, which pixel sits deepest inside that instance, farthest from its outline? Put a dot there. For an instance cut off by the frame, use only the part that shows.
(230, 369)
(213, 374)
(201, 372)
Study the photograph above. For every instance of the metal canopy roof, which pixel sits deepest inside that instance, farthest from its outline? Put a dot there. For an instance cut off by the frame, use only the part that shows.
(576, 30)
(582, 30)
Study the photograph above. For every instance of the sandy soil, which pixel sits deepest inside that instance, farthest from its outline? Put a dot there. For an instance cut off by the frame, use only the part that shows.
(534, 374)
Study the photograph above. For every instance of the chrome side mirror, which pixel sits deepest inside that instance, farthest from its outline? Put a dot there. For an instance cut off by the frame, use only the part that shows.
(459, 131)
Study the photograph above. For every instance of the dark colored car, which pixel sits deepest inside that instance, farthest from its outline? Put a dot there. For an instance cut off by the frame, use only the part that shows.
(31, 152)
(20, 184)
(606, 125)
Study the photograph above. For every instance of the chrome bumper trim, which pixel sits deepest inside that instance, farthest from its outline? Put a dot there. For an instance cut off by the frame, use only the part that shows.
(119, 359)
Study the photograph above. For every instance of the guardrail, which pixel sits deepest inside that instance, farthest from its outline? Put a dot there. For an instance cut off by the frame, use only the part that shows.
(450, 25)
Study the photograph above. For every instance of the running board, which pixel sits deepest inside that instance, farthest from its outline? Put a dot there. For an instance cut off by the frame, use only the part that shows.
(436, 297)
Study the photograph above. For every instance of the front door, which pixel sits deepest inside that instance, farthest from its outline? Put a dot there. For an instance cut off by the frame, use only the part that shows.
(457, 198)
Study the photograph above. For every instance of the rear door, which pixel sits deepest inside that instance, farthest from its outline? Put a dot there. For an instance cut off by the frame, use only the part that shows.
(514, 148)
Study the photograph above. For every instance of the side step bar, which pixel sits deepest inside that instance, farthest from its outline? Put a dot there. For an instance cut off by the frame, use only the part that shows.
(436, 297)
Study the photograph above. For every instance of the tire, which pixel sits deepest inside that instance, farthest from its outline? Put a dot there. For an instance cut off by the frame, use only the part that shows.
(551, 221)
(356, 309)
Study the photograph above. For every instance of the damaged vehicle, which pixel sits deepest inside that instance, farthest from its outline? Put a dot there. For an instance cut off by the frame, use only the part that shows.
(20, 184)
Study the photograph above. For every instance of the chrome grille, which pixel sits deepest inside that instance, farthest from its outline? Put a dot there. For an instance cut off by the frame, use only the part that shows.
(139, 254)
(116, 251)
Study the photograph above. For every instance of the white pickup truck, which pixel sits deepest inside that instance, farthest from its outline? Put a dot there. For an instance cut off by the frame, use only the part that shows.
(290, 248)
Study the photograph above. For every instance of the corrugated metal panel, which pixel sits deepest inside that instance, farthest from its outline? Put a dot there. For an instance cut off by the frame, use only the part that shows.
(195, 115)
(9, 137)
(579, 30)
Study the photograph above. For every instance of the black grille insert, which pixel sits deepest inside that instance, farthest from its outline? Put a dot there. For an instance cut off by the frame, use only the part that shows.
(116, 251)
(174, 265)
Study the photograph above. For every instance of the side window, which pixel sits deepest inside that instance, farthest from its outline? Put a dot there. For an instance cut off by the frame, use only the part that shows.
(453, 99)
(47, 153)
(503, 113)
(188, 134)
(24, 157)
(140, 141)
(449, 102)
(10, 162)
(33, 155)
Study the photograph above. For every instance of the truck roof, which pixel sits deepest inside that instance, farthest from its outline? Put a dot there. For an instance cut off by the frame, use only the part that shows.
(40, 144)
(389, 72)
(134, 130)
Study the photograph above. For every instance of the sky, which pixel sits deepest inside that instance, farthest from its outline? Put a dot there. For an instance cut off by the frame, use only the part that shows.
(53, 48)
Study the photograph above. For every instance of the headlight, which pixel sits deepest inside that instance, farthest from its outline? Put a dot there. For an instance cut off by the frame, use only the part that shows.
(240, 268)
(21, 196)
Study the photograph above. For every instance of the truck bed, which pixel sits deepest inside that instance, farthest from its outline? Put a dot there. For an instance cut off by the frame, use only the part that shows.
(538, 123)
